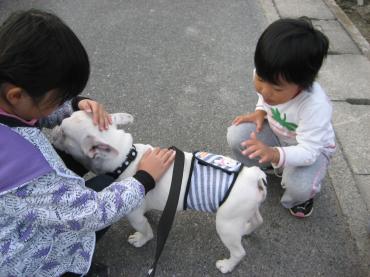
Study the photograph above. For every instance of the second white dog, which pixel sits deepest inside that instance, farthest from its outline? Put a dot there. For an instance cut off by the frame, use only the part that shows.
(102, 152)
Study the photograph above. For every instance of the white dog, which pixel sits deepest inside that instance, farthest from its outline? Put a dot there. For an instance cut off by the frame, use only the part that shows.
(101, 152)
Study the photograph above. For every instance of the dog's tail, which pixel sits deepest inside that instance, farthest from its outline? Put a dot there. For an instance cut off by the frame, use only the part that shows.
(261, 182)
(262, 187)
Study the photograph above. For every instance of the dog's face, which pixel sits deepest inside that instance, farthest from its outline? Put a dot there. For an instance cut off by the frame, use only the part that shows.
(95, 149)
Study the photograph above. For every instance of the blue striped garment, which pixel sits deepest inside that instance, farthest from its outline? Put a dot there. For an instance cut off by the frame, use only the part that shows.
(210, 181)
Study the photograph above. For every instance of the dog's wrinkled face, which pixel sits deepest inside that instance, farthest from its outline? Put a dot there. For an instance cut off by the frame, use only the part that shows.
(79, 137)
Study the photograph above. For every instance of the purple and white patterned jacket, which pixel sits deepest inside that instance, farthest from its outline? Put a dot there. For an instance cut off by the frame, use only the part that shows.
(48, 221)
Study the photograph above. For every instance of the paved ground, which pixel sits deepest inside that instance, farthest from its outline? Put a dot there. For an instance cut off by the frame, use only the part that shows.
(183, 69)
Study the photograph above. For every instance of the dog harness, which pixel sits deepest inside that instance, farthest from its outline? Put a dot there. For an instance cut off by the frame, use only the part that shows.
(210, 181)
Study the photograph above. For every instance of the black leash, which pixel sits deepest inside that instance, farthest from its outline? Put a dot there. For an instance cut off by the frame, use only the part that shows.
(168, 215)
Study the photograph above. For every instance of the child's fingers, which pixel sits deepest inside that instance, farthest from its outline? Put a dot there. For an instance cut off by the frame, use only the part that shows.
(169, 157)
(237, 121)
(242, 118)
(95, 117)
(85, 105)
(156, 150)
(165, 155)
(259, 125)
(146, 154)
(251, 141)
(104, 120)
(263, 160)
(162, 153)
(247, 143)
(257, 153)
(251, 149)
(101, 117)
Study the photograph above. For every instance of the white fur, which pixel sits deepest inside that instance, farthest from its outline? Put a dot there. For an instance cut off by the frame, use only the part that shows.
(103, 152)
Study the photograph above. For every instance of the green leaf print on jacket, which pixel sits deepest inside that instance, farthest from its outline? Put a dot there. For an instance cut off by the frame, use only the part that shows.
(277, 116)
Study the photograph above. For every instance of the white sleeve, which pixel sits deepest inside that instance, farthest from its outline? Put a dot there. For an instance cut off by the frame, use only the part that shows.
(314, 125)
(259, 105)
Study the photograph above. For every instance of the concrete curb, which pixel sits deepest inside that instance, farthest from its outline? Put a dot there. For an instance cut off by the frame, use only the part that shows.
(350, 199)
(349, 27)
(351, 203)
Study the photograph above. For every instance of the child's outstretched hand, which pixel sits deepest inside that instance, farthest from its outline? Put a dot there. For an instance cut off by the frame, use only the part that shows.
(100, 116)
(156, 161)
(255, 148)
(257, 117)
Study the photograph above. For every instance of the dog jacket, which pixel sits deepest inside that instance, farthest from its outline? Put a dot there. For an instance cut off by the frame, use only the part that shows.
(210, 181)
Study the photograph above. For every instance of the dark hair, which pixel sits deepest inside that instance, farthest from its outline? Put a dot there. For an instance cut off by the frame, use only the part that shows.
(39, 52)
(292, 50)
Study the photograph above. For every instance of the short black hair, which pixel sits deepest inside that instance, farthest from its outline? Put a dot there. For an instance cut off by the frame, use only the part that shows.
(39, 52)
(292, 50)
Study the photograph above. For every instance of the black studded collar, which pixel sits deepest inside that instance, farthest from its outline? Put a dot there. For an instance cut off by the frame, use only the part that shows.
(131, 156)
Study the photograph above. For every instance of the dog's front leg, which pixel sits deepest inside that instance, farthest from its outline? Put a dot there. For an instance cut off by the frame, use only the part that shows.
(140, 223)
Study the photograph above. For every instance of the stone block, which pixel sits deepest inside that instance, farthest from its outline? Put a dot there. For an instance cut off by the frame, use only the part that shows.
(346, 76)
(352, 127)
(310, 8)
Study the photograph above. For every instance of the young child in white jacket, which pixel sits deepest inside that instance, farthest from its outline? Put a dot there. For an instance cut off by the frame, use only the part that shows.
(291, 127)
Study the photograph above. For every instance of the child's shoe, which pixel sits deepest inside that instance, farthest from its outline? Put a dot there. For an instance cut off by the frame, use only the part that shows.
(302, 210)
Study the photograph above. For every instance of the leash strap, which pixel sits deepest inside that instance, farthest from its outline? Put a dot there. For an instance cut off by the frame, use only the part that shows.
(168, 215)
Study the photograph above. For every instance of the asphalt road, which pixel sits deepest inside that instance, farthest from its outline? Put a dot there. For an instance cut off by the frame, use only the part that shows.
(183, 68)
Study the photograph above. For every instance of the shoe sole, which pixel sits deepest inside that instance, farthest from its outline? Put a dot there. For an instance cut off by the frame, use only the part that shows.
(300, 214)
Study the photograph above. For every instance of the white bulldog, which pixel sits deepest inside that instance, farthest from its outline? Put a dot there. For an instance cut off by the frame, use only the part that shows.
(103, 152)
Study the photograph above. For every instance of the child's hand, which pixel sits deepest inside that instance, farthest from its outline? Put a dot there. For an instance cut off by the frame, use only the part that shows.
(255, 148)
(156, 162)
(100, 116)
(257, 117)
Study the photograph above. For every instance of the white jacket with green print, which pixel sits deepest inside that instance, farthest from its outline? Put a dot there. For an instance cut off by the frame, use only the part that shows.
(303, 126)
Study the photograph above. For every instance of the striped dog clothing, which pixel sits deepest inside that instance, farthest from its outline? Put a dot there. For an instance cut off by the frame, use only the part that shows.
(210, 181)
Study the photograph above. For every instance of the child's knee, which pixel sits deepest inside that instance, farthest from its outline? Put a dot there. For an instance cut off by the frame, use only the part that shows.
(236, 134)
(232, 138)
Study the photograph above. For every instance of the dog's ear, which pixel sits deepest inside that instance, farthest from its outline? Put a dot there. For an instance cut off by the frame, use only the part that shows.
(96, 148)
(122, 118)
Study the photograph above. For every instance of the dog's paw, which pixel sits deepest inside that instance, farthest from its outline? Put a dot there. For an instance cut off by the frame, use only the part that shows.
(122, 118)
(225, 265)
(137, 239)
